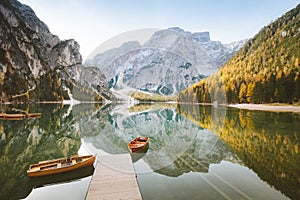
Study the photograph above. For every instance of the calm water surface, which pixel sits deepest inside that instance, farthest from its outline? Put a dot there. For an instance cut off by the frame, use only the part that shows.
(195, 152)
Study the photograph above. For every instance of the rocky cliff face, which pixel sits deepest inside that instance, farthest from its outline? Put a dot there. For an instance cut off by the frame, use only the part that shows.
(197, 48)
(34, 64)
(171, 60)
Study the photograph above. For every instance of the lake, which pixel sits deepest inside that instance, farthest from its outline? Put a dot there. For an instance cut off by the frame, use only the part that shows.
(195, 152)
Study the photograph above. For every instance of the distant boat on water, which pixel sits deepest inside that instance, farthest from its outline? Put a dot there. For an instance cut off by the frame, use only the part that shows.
(12, 116)
(7, 116)
(138, 144)
(32, 115)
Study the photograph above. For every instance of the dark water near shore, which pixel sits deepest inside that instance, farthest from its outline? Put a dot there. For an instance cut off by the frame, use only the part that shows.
(195, 152)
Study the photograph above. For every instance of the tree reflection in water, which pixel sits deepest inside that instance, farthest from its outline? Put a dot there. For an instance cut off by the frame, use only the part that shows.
(183, 139)
(266, 142)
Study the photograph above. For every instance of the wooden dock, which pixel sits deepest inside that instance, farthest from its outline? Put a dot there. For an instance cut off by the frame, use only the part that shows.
(114, 178)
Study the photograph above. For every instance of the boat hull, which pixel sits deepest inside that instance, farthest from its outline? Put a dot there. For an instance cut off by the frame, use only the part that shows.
(12, 116)
(34, 115)
(57, 166)
(41, 181)
(5, 116)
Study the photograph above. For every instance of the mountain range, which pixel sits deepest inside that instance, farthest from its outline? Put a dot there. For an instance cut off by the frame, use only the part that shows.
(36, 65)
(169, 61)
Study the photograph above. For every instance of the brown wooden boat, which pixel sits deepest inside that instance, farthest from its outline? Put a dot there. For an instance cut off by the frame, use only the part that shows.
(32, 115)
(138, 144)
(41, 181)
(60, 165)
(6, 116)
(12, 116)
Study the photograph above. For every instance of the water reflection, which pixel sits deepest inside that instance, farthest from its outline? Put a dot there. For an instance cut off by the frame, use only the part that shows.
(193, 150)
(189, 139)
(266, 142)
(174, 140)
(28, 141)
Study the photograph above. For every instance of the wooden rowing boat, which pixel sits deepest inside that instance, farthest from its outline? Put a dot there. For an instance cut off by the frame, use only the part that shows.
(19, 116)
(41, 181)
(138, 144)
(32, 115)
(12, 116)
(60, 165)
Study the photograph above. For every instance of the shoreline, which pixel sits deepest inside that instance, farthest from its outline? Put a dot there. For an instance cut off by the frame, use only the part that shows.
(272, 107)
(268, 107)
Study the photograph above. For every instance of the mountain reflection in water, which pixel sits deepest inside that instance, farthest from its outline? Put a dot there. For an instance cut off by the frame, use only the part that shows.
(193, 150)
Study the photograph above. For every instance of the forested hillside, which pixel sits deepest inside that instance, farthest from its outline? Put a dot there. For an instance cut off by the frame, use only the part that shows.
(265, 70)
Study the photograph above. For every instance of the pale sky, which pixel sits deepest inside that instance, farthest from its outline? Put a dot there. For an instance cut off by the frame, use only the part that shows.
(92, 22)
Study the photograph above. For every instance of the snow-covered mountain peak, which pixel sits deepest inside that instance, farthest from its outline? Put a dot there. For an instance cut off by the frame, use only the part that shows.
(235, 46)
(201, 37)
(170, 60)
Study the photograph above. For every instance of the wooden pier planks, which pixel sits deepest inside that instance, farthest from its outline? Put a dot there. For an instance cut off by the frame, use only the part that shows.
(114, 178)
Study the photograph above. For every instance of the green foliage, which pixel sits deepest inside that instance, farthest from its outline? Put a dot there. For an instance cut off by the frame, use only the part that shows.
(265, 70)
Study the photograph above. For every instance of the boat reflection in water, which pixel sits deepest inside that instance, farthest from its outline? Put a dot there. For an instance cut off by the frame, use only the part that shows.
(139, 154)
(195, 151)
(57, 184)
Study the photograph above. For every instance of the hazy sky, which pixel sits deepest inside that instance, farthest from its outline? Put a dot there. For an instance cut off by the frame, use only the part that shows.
(92, 22)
